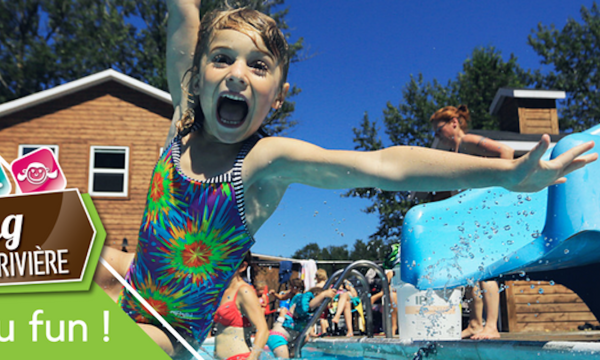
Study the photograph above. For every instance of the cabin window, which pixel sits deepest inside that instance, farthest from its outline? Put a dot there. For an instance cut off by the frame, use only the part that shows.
(25, 149)
(109, 169)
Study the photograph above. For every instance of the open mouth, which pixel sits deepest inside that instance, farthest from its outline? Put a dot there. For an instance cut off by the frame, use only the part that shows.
(232, 110)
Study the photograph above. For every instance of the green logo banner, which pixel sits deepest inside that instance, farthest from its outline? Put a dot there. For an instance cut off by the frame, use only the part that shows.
(49, 242)
(71, 325)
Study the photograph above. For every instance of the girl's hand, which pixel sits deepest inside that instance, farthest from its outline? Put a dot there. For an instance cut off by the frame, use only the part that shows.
(532, 174)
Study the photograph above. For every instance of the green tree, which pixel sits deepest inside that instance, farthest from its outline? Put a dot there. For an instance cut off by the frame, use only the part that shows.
(483, 74)
(408, 124)
(574, 55)
(44, 43)
(374, 250)
(309, 251)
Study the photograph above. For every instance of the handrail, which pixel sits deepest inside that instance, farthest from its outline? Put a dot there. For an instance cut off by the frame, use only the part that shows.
(364, 298)
(350, 269)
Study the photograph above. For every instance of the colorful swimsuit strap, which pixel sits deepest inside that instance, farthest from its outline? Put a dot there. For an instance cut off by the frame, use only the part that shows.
(234, 176)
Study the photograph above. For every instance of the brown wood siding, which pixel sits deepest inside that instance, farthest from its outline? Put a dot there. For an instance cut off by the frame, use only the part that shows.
(108, 114)
(557, 308)
(538, 121)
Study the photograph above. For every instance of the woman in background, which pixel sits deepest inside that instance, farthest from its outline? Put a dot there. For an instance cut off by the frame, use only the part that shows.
(451, 126)
(238, 311)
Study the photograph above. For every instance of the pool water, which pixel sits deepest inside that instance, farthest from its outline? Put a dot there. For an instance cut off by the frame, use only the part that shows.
(309, 354)
(396, 349)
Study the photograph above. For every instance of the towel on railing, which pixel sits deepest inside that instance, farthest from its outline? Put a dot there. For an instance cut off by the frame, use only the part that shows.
(309, 271)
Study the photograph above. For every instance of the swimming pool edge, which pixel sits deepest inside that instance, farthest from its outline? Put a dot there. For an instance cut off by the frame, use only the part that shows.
(393, 349)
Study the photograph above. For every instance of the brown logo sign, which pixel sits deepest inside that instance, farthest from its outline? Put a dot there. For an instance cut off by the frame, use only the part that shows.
(44, 237)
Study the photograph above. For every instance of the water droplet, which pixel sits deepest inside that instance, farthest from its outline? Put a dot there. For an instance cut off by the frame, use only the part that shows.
(566, 251)
(533, 286)
(552, 282)
(540, 291)
(507, 227)
(522, 273)
(510, 242)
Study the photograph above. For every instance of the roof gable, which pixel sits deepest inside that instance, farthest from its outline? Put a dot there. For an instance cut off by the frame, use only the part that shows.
(82, 84)
(503, 93)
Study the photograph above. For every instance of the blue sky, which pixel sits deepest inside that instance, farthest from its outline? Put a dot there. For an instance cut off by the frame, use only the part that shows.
(363, 54)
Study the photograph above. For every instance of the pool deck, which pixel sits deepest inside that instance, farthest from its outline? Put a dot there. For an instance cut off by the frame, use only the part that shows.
(525, 346)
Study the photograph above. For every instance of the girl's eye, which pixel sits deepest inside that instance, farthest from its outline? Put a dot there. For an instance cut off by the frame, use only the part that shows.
(221, 59)
(260, 66)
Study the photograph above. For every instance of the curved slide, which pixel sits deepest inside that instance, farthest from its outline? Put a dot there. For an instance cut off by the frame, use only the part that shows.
(487, 233)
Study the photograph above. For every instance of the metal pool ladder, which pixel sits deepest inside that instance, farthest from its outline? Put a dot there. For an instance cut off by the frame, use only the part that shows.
(342, 275)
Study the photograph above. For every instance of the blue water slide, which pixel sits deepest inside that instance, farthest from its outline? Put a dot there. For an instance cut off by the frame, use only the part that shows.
(487, 233)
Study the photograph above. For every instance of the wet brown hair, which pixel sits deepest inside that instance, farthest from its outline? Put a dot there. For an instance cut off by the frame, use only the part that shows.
(297, 283)
(248, 260)
(247, 21)
(448, 113)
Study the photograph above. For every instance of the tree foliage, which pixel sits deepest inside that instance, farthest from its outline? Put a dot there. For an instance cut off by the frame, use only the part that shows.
(574, 55)
(408, 124)
(375, 250)
(45, 43)
(573, 52)
(483, 74)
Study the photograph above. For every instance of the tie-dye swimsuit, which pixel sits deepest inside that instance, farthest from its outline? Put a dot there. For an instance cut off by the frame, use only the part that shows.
(192, 239)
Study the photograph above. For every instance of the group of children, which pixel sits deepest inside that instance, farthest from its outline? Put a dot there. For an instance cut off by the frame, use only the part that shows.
(218, 181)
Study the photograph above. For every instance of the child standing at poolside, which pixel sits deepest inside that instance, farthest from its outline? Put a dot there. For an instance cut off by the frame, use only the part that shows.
(217, 182)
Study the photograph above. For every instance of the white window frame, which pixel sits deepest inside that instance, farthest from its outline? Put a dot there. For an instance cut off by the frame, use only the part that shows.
(93, 170)
(53, 148)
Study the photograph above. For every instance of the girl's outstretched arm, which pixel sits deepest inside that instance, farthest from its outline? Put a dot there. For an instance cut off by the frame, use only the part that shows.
(285, 161)
(183, 24)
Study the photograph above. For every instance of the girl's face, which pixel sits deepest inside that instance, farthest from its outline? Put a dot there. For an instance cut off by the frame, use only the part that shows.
(237, 84)
(445, 131)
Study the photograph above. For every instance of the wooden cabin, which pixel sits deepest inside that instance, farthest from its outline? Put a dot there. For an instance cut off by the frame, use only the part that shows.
(107, 131)
(527, 111)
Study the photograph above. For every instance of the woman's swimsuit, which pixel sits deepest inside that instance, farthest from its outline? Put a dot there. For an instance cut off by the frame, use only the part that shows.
(294, 323)
(228, 314)
(243, 356)
(192, 239)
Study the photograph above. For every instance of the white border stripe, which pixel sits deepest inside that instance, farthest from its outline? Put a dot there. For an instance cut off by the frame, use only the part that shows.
(4, 163)
(151, 310)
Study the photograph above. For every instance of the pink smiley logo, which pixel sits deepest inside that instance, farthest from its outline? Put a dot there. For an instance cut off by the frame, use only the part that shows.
(38, 171)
